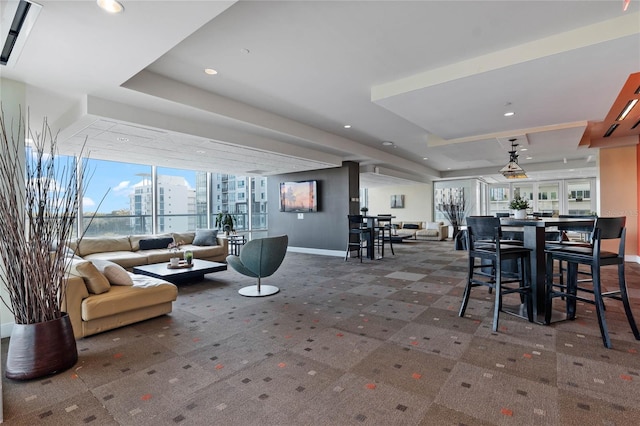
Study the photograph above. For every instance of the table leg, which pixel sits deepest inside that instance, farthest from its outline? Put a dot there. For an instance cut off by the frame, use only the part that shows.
(534, 239)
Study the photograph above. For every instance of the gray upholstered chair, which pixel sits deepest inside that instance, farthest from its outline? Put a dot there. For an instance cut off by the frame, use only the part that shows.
(260, 258)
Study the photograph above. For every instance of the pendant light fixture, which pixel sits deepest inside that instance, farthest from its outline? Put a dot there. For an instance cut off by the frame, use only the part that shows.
(512, 170)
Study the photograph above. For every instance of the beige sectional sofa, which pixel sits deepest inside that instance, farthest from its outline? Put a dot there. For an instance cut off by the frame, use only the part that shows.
(102, 294)
(432, 231)
(126, 252)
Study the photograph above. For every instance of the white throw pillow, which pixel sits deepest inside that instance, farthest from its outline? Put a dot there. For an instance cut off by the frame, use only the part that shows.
(115, 273)
(433, 225)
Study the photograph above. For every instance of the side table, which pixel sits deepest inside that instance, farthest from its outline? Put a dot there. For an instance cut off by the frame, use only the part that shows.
(235, 243)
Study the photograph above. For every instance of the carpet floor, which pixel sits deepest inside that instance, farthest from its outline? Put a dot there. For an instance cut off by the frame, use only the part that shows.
(345, 343)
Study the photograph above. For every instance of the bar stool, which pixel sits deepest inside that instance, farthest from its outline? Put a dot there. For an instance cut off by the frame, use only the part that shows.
(359, 235)
(493, 255)
(605, 228)
(384, 231)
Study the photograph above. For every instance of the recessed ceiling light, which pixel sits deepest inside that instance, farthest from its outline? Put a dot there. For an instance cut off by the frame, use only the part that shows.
(509, 114)
(244, 51)
(529, 158)
(111, 6)
(524, 149)
(425, 158)
(347, 126)
(122, 139)
(210, 71)
(200, 152)
(387, 143)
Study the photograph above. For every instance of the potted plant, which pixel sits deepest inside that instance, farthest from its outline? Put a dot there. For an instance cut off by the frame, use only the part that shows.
(225, 222)
(364, 210)
(39, 204)
(519, 206)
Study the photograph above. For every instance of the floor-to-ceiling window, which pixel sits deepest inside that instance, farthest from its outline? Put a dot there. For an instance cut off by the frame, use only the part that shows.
(178, 199)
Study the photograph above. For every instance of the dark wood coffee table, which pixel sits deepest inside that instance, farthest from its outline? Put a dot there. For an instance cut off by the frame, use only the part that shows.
(197, 271)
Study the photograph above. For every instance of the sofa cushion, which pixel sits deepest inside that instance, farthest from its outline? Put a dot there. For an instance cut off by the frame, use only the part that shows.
(155, 243)
(96, 282)
(145, 292)
(205, 252)
(102, 244)
(434, 225)
(135, 239)
(206, 237)
(115, 273)
(183, 237)
(126, 259)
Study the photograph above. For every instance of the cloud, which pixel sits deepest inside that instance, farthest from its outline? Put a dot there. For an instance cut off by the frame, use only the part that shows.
(87, 202)
(122, 187)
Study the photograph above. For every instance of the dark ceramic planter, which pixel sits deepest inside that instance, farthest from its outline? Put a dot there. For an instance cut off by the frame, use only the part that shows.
(42, 349)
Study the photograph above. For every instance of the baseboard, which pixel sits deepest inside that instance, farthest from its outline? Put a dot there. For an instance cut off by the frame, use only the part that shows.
(322, 252)
(632, 258)
(6, 328)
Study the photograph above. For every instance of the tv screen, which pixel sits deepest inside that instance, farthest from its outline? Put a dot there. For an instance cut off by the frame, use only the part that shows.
(299, 197)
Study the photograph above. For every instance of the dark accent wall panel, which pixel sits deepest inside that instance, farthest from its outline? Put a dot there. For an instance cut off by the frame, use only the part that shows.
(327, 228)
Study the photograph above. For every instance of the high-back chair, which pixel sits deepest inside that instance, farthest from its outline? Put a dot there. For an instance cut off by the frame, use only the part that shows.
(359, 236)
(260, 258)
(489, 272)
(605, 228)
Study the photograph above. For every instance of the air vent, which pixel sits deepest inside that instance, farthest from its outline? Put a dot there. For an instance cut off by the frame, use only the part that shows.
(635, 125)
(17, 20)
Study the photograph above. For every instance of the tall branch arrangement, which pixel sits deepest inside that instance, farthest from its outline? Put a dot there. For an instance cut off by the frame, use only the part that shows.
(454, 209)
(38, 210)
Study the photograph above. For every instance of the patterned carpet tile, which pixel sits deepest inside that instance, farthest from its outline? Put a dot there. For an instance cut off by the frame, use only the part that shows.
(143, 394)
(414, 297)
(539, 366)
(407, 369)
(371, 325)
(373, 290)
(395, 309)
(355, 400)
(337, 348)
(579, 410)
(499, 398)
(82, 408)
(597, 379)
(433, 340)
(448, 319)
(443, 416)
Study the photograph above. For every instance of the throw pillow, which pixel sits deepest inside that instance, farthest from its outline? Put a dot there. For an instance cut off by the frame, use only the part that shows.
(96, 282)
(155, 243)
(433, 225)
(410, 226)
(206, 237)
(115, 273)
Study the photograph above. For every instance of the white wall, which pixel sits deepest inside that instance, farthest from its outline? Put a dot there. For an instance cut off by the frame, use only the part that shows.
(418, 202)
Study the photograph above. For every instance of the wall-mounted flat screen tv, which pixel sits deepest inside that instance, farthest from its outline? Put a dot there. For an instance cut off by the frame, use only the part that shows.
(299, 197)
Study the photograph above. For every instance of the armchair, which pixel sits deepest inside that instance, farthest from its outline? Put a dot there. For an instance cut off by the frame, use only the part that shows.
(260, 258)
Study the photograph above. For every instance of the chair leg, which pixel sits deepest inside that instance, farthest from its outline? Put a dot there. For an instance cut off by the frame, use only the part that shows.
(625, 301)
(467, 288)
(597, 290)
(498, 301)
(548, 300)
(391, 242)
(571, 289)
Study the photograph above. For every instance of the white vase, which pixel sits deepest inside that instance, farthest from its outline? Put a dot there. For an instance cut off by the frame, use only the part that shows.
(519, 214)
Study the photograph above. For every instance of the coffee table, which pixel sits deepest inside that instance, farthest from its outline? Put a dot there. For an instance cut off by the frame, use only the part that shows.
(162, 271)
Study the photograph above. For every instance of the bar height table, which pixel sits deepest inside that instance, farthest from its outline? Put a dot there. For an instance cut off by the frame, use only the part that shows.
(534, 239)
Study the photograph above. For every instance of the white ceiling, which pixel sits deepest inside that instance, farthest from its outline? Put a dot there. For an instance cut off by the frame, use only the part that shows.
(432, 77)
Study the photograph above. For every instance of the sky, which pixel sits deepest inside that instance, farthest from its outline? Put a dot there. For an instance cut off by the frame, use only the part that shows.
(116, 180)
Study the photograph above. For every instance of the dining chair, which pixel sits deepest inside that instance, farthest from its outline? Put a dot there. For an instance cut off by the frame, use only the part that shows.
(384, 230)
(493, 254)
(605, 228)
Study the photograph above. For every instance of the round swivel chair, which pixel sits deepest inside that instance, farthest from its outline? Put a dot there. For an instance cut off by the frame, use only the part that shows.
(260, 258)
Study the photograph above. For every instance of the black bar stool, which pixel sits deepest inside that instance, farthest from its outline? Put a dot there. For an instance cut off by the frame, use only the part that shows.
(359, 235)
(384, 231)
(493, 254)
(605, 228)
